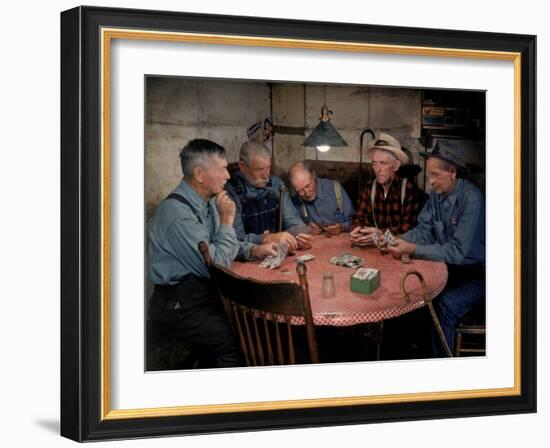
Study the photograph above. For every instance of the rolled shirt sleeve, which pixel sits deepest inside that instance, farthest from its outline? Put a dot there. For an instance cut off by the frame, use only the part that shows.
(244, 251)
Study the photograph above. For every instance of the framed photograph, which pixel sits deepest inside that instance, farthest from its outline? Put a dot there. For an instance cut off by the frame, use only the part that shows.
(137, 86)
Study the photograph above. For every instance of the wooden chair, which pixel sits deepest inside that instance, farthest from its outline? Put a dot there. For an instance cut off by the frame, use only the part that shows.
(471, 324)
(261, 312)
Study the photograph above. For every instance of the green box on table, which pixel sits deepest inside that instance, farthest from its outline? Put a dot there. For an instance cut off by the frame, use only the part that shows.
(365, 280)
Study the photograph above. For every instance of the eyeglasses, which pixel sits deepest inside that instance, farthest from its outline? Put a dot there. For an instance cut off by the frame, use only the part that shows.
(308, 186)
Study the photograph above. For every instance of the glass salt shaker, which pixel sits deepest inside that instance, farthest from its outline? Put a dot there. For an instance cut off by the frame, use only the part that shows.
(328, 289)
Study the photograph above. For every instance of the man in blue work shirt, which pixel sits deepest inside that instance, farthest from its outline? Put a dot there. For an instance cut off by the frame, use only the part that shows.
(185, 303)
(257, 196)
(451, 228)
(322, 203)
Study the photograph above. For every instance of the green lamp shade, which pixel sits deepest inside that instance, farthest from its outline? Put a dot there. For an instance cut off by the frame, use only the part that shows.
(325, 135)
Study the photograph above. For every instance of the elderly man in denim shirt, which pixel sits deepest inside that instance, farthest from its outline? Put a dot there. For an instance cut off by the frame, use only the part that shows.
(323, 203)
(451, 228)
(185, 303)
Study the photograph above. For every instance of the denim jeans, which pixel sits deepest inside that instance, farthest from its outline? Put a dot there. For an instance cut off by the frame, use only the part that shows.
(464, 291)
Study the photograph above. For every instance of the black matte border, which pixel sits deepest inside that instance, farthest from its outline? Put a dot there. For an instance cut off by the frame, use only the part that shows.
(80, 223)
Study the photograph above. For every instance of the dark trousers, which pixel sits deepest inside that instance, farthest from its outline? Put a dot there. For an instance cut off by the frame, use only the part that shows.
(193, 312)
(465, 289)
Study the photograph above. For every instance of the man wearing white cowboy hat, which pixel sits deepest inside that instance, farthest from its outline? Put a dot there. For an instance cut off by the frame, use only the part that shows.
(451, 228)
(388, 201)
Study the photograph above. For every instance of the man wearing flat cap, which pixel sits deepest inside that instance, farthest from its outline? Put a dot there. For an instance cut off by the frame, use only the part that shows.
(451, 228)
(388, 201)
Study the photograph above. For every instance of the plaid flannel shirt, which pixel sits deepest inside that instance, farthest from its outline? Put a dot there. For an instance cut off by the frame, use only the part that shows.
(388, 211)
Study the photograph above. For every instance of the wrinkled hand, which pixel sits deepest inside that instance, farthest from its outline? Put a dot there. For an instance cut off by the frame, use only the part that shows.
(315, 229)
(226, 208)
(402, 247)
(363, 236)
(281, 236)
(334, 229)
(263, 250)
(304, 241)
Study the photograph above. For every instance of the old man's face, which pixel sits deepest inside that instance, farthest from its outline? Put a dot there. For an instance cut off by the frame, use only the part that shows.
(215, 174)
(384, 165)
(305, 185)
(441, 180)
(258, 171)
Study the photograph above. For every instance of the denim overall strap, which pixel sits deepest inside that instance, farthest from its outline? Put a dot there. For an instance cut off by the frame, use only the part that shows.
(260, 213)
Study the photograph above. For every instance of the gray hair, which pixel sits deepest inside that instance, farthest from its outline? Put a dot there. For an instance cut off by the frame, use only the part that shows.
(253, 147)
(306, 166)
(196, 153)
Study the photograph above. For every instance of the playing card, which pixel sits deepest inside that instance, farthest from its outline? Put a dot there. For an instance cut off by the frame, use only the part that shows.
(388, 236)
(272, 262)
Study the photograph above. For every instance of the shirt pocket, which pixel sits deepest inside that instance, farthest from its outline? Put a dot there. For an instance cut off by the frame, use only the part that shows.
(439, 228)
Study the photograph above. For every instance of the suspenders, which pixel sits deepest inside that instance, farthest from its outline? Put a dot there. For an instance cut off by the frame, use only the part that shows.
(373, 194)
(184, 201)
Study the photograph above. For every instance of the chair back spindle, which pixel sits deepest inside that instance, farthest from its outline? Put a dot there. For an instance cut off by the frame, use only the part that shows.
(260, 311)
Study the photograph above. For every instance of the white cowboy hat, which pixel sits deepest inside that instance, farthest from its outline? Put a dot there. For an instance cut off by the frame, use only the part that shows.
(388, 143)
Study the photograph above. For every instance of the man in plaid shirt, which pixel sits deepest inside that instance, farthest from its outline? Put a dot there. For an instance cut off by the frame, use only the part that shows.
(389, 201)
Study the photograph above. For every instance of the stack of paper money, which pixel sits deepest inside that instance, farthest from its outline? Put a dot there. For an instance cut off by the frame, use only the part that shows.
(305, 257)
(347, 260)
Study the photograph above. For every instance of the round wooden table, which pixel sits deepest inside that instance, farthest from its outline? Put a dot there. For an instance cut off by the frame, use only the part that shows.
(349, 308)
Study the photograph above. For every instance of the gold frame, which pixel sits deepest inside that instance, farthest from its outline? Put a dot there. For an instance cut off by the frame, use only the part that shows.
(107, 35)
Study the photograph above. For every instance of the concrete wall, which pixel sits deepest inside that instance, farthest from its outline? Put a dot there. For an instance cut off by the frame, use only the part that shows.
(180, 109)
(355, 108)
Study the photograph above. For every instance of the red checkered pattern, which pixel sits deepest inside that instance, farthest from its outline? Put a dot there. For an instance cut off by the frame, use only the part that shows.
(347, 307)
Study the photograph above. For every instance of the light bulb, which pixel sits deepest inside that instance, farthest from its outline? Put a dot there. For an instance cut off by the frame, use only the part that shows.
(323, 148)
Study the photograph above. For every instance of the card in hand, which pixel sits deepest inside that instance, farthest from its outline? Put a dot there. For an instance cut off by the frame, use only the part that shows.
(388, 236)
(273, 262)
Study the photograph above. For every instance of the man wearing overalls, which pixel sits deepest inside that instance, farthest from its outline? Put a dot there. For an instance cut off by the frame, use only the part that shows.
(257, 196)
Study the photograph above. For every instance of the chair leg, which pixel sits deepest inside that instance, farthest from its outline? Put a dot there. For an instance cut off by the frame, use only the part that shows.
(440, 330)
(458, 346)
(379, 339)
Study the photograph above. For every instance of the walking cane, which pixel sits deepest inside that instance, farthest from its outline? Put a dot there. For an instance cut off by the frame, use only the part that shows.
(282, 190)
(428, 302)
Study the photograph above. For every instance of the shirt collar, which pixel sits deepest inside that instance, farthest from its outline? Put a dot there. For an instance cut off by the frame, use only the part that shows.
(453, 195)
(395, 182)
(191, 195)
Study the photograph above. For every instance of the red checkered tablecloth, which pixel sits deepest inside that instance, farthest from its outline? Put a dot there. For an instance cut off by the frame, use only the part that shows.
(347, 307)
